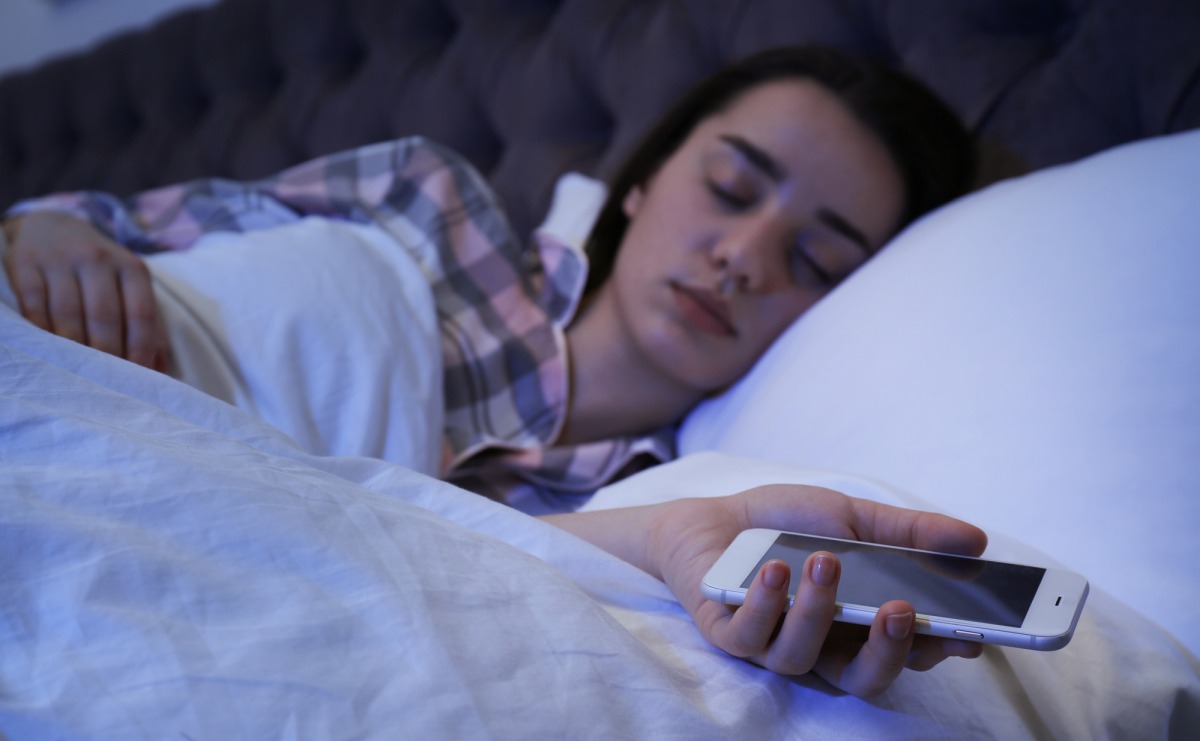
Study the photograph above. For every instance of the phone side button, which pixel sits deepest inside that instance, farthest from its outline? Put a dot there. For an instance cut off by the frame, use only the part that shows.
(969, 635)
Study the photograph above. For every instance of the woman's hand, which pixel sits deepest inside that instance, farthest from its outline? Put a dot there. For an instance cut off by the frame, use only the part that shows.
(74, 281)
(679, 541)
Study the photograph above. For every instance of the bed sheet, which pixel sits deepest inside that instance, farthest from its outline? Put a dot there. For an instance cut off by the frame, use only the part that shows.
(172, 567)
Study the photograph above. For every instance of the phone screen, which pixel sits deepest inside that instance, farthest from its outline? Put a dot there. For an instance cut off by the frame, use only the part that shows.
(953, 587)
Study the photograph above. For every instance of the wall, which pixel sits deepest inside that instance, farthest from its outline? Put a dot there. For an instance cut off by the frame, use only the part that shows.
(34, 30)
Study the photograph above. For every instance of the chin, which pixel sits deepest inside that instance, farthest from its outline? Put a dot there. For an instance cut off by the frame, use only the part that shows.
(708, 385)
(679, 356)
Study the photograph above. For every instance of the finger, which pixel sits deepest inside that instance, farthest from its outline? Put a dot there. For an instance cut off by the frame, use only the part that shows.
(162, 359)
(103, 312)
(752, 625)
(881, 523)
(825, 512)
(881, 658)
(29, 285)
(143, 334)
(929, 651)
(797, 647)
(64, 303)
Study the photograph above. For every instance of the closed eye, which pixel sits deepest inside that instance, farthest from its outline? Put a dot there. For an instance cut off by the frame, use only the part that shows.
(729, 198)
(804, 253)
(822, 275)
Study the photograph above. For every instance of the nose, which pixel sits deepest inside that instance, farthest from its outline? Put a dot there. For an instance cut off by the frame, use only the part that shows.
(751, 255)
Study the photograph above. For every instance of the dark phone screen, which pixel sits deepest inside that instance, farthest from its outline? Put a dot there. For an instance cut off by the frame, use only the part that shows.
(946, 586)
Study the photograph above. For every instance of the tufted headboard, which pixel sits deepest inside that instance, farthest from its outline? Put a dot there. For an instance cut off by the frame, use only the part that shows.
(530, 88)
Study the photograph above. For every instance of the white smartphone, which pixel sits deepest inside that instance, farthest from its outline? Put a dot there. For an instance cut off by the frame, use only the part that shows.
(959, 597)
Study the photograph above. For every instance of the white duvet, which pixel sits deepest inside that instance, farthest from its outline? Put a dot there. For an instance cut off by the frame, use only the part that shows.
(171, 567)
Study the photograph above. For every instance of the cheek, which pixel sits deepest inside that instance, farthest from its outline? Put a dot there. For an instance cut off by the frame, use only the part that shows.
(777, 314)
(639, 244)
(651, 252)
(773, 319)
(636, 263)
(669, 220)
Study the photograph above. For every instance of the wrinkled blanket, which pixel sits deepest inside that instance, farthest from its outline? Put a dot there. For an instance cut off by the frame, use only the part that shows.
(171, 567)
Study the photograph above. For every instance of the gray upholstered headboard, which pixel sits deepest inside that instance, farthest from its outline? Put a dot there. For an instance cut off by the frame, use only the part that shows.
(530, 88)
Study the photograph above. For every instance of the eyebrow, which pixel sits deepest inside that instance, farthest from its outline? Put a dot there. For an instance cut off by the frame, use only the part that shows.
(757, 156)
(777, 172)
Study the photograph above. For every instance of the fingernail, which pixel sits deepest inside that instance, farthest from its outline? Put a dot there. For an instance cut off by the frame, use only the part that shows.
(774, 576)
(824, 570)
(899, 626)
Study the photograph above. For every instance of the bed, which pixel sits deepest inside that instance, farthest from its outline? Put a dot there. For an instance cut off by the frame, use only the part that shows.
(1025, 358)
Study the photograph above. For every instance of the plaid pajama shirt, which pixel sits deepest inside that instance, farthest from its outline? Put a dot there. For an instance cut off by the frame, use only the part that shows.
(501, 309)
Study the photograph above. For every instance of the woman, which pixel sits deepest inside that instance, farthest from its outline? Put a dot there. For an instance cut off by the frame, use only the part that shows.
(692, 225)
(752, 199)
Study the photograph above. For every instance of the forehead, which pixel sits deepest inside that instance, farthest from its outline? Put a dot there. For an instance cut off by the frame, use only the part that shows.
(829, 157)
(787, 109)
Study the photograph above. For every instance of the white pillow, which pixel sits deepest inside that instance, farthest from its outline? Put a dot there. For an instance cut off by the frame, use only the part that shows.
(1027, 358)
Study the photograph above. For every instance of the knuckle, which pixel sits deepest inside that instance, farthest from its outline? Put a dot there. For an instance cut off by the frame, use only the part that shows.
(813, 611)
(91, 255)
(871, 688)
(32, 295)
(736, 649)
(875, 680)
(793, 664)
(888, 660)
(742, 646)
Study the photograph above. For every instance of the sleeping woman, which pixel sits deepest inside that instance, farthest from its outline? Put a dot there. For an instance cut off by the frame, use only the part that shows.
(560, 370)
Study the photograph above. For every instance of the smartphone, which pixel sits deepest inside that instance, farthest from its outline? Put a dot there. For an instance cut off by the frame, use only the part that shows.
(959, 597)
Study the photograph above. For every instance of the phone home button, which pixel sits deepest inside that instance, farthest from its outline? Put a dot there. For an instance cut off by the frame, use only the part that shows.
(971, 635)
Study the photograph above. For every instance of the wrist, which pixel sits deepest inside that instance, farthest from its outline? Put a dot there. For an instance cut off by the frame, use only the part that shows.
(675, 527)
(663, 536)
(13, 224)
(629, 533)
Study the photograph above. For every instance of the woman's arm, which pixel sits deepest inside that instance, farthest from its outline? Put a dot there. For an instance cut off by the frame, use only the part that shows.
(67, 266)
(678, 541)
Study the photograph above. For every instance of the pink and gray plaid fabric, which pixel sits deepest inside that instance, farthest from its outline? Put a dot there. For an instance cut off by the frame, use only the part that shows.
(502, 309)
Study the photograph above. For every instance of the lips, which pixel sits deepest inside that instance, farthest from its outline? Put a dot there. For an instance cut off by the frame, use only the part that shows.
(704, 309)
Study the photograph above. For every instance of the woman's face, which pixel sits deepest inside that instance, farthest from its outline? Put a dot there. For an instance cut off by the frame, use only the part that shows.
(763, 209)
